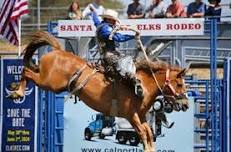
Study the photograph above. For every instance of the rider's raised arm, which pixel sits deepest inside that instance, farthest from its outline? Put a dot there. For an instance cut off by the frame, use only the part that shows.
(86, 12)
(95, 19)
(106, 31)
(122, 37)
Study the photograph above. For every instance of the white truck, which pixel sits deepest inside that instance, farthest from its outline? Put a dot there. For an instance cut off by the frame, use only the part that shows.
(125, 132)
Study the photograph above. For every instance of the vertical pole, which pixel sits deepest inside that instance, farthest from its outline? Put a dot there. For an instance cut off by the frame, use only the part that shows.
(38, 15)
(40, 120)
(19, 36)
(50, 127)
(213, 77)
(173, 53)
(53, 116)
(226, 107)
(207, 117)
(220, 116)
(47, 131)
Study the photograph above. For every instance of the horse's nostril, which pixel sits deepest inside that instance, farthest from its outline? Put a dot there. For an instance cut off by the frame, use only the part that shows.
(182, 96)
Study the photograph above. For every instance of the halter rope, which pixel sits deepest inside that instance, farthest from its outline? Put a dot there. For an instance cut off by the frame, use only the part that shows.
(148, 60)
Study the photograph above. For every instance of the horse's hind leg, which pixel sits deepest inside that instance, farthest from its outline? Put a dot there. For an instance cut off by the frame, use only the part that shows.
(27, 74)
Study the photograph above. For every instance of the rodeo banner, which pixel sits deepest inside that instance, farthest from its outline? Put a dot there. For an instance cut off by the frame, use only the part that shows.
(147, 27)
(18, 116)
(86, 130)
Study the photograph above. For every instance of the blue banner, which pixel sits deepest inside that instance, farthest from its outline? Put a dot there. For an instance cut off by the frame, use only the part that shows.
(19, 116)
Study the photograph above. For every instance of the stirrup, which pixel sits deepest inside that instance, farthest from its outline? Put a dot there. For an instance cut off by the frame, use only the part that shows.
(138, 90)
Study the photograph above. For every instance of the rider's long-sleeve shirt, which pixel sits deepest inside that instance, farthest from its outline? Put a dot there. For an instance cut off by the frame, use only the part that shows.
(104, 31)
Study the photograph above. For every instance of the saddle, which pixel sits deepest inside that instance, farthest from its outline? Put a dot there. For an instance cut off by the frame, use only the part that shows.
(111, 73)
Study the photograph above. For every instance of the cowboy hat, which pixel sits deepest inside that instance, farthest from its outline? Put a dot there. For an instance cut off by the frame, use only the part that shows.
(111, 14)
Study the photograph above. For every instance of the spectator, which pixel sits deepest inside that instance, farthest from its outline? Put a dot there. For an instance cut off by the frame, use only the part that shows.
(157, 9)
(96, 6)
(74, 11)
(196, 9)
(214, 9)
(135, 10)
(176, 9)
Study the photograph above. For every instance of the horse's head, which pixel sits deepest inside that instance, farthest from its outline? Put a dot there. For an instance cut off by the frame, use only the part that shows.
(173, 87)
(168, 80)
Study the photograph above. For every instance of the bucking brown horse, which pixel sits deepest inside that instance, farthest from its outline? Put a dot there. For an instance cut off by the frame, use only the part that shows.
(57, 67)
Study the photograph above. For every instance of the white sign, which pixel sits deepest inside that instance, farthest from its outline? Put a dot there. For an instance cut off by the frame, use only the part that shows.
(147, 27)
(177, 139)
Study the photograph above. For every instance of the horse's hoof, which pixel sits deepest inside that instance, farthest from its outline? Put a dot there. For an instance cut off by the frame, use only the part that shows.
(184, 108)
(14, 95)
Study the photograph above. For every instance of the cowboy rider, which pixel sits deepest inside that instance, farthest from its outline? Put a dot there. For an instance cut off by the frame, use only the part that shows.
(108, 45)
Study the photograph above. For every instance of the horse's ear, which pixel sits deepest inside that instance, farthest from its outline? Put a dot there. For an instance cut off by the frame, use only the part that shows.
(182, 72)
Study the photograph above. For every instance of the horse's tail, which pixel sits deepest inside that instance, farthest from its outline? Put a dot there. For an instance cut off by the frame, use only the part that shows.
(38, 39)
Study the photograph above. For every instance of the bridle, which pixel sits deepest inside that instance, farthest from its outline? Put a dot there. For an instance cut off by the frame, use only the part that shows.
(167, 84)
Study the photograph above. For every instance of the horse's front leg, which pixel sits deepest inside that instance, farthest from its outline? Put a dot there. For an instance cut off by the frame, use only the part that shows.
(149, 137)
(136, 123)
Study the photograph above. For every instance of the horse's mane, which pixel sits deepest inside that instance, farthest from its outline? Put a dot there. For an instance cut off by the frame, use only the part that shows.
(155, 65)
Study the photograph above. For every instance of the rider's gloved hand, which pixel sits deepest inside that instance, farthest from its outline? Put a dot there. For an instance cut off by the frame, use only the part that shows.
(91, 8)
